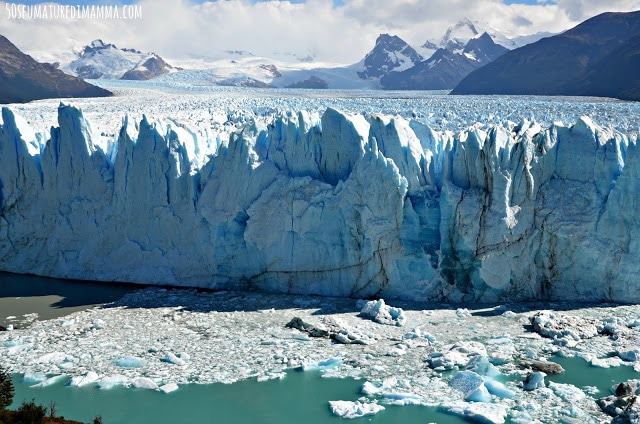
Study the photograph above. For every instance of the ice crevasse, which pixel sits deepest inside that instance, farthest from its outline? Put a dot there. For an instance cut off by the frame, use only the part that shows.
(338, 204)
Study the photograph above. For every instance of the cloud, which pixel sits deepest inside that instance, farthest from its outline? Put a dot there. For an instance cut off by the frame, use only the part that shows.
(344, 33)
(580, 10)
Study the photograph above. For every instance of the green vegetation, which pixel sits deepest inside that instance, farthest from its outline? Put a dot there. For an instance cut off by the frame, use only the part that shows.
(28, 412)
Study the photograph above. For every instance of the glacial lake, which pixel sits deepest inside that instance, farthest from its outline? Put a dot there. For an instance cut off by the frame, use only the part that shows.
(301, 397)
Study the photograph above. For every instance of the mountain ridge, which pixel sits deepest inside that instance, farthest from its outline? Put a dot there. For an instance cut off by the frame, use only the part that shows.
(23, 79)
(556, 65)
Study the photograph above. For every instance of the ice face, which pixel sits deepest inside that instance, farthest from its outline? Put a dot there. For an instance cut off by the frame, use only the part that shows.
(333, 204)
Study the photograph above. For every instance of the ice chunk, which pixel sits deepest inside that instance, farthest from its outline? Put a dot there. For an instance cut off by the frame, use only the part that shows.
(378, 311)
(631, 355)
(402, 399)
(168, 388)
(51, 381)
(498, 389)
(357, 409)
(564, 327)
(420, 333)
(328, 364)
(173, 359)
(83, 380)
(458, 355)
(472, 385)
(567, 392)
(534, 381)
(374, 388)
(53, 357)
(481, 365)
(112, 381)
(482, 412)
(144, 383)
(34, 377)
(130, 362)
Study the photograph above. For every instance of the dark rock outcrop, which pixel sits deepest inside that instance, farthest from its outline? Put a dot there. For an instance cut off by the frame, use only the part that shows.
(23, 79)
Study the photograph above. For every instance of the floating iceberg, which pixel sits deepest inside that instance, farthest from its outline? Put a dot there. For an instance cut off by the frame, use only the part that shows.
(357, 409)
(341, 205)
(481, 412)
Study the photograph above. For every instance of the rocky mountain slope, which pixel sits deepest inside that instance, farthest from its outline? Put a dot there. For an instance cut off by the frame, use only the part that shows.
(23, 79)
(593, 58)
(446, 68)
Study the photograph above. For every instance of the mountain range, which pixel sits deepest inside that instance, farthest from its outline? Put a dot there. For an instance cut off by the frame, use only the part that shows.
(446, 67)
(392, 63)
(106, 61)
(23, 79)
(599, 57)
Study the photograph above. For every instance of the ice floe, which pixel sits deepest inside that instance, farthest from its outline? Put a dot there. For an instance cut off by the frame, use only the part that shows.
(357, 409)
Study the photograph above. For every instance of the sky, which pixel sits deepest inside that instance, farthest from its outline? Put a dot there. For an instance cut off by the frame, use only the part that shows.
(338, 31)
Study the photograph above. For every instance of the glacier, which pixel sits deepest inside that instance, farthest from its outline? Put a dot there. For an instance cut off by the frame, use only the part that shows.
(331, 203)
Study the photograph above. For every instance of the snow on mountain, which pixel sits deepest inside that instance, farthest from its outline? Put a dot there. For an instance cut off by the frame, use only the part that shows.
(100, 60)
(148, 68)
(247, 70)
(445, 68)
(339, 204)
(390, 53)
(457, 36)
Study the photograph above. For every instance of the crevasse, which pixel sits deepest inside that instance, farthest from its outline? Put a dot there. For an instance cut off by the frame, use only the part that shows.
(340, 205)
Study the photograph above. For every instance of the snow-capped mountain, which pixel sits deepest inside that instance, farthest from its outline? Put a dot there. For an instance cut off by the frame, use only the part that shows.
(106, 61)
(391, 53)
(152, 67)
(446, 67)
(437, 65)
(457, 36)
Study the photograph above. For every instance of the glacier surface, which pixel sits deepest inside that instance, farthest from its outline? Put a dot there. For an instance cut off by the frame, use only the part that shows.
(326, 202)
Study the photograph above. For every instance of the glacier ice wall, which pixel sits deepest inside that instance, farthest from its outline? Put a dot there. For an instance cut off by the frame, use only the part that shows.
(340, 204)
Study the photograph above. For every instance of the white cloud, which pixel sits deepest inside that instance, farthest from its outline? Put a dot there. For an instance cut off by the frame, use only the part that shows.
(579, 10)
(179, 28)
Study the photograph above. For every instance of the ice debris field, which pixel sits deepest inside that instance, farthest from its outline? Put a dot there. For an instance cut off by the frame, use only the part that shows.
(443, 198)
(485, 364)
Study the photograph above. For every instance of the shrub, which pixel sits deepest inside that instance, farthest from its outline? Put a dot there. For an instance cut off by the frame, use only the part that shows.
(30, 413)
(6, 388)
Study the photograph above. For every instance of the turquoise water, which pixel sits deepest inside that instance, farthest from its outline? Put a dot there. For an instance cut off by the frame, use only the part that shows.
(580, 373)
(301, 397)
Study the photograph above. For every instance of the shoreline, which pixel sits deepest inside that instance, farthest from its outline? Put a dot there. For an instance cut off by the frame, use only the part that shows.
(51, 298)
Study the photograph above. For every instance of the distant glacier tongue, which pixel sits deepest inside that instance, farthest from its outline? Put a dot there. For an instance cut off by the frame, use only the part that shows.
(345, 205)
